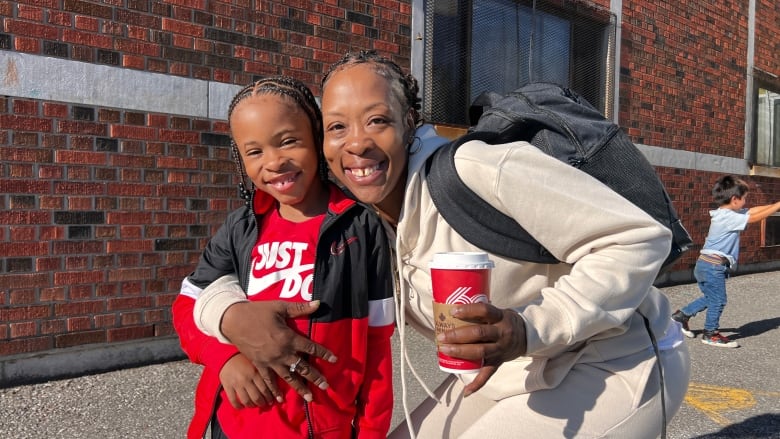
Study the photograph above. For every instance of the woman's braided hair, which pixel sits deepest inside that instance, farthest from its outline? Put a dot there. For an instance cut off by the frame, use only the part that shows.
(404, 86)
(281, 86)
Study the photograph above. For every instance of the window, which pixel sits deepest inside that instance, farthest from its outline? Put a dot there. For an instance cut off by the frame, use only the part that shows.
(770, 231)
(768, 127)
(473, 46)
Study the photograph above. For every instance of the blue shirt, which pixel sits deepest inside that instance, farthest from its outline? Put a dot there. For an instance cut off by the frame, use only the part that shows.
(723, 237)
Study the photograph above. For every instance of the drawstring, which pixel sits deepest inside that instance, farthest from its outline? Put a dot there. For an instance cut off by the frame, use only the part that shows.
(660, 375)
(400, 308)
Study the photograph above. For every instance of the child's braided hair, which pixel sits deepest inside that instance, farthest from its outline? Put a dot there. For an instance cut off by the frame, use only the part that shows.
(404, 86)
(282, 86)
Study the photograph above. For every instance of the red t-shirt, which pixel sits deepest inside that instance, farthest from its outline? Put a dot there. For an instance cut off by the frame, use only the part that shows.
(282, 268)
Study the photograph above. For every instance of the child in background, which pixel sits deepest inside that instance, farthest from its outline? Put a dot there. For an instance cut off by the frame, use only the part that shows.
(719, 255)
(299, 239)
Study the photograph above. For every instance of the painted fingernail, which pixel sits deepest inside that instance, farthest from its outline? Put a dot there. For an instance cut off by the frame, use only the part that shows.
(323, 385)
(307, 397)
(279, 399)
(332, 359)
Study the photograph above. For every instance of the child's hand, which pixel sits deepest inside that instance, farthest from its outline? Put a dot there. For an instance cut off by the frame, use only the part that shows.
(243, 384)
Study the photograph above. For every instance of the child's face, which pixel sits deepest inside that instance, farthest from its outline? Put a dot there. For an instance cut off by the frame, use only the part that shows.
(274, 137)
(738, 203)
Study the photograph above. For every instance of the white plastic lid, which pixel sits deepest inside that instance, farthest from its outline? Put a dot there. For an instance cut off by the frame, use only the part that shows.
(461, 261)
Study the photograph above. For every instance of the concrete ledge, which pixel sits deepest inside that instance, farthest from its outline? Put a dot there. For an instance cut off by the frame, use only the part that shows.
(85, 360)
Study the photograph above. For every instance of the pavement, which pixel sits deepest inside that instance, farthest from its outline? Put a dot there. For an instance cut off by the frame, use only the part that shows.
(733, 393)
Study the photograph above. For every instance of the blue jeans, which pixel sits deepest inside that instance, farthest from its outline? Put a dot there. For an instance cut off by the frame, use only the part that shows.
(712, 282)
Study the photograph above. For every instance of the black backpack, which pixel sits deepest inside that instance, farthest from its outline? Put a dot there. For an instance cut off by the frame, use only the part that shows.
(563, 125)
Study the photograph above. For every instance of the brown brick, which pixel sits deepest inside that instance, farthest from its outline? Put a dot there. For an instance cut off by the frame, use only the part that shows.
(80, 338)
(130, 333)
(23, 280)
(128, 303)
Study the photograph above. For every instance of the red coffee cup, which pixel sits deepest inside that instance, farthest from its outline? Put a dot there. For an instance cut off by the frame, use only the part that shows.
(458, 278)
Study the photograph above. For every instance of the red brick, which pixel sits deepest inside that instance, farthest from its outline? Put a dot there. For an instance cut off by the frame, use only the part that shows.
(23, 106)
(22, 297)
(52, 295)
(130, 318)
(76, 324)
(81, 157)
(28, 45)
(25, 345)
(60, 18)
(87, 23)
(25, 28)
(105, 320)
(78, 308)
(23, 280)
(78, 277)
(22, 233)
(16, 314)
(132, 62)
(49, 327)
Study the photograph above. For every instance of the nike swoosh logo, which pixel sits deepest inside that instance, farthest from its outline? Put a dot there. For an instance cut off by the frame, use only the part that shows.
(337, 249)
(260, 284)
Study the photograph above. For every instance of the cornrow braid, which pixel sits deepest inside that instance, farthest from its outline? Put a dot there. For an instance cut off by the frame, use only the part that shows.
(302, 95)
(405, 86)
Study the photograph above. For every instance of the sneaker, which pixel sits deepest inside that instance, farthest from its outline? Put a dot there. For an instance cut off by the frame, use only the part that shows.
(678, 316)
(715, 338)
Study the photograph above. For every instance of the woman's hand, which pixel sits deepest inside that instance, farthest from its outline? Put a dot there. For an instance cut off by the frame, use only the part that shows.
(243, 384)
(259, 330)
(498, 335)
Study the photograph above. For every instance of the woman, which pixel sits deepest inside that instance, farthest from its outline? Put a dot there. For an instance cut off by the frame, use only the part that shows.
(567, 348)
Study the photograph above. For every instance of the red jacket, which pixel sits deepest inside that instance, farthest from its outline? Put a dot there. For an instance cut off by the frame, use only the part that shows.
(355, 321)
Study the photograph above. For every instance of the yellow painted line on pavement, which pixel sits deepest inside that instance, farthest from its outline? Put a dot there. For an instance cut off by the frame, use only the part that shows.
(715, 400)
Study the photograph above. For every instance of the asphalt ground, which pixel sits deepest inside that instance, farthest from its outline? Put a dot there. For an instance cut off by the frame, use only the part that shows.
(733, 393)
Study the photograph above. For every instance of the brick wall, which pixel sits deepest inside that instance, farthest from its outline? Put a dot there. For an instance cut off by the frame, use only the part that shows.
(683, 86)
(104, 210)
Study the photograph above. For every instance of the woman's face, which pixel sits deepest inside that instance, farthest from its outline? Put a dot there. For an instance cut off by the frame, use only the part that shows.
(366, 133)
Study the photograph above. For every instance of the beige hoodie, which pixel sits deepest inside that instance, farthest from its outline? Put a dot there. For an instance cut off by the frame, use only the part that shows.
(583, 310)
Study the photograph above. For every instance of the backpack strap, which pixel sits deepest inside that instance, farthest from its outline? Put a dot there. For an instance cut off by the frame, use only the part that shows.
(472, 217)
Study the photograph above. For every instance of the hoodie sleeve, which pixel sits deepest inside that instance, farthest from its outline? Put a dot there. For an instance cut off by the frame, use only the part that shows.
(215, 261)
(199, 347)
(614, 248)
(375, 402)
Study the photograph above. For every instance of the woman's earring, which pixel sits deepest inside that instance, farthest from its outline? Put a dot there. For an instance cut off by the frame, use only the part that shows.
(414, 145)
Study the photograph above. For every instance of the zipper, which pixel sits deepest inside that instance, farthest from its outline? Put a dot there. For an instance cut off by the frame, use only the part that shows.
(213, 414)
(320, 264)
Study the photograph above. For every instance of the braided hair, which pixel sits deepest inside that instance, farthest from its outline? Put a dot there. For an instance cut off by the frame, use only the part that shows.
(404, 86)
(281, 86)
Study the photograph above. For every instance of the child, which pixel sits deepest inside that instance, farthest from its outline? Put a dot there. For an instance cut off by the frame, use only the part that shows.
(298, 239)
(719, 255)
